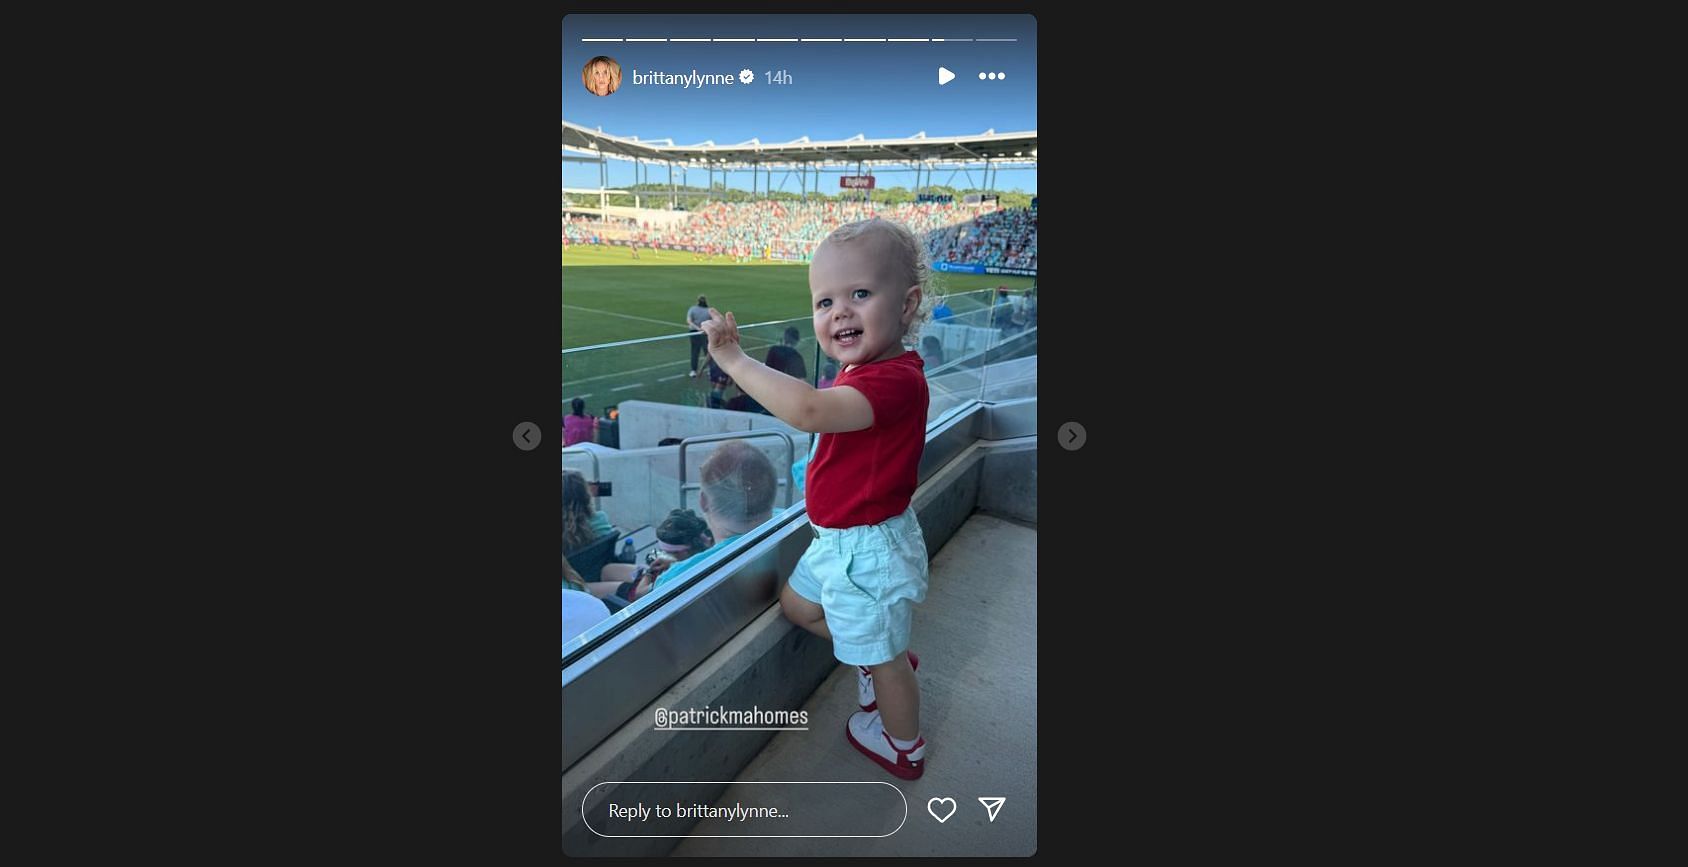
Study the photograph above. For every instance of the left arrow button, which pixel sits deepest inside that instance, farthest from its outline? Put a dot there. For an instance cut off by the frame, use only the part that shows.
(526, 436)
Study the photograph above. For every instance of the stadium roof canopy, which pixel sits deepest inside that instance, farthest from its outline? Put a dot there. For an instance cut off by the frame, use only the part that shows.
(1003, 148)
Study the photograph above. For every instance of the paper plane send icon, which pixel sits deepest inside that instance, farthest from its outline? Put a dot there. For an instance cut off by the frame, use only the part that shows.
(992, 806)
(944, 76)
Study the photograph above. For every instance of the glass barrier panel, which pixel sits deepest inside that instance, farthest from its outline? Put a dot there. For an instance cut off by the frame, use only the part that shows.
(747, 487)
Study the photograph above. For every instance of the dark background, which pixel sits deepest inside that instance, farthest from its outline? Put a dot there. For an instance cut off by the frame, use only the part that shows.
(1236, 624)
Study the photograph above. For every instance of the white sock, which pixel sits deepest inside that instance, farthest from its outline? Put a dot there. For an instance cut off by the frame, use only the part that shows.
(901, 744)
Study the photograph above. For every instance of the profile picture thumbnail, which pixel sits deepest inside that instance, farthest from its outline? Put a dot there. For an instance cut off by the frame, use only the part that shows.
(601, 75)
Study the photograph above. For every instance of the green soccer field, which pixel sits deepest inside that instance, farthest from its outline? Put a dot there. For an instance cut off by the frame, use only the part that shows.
(609, 297)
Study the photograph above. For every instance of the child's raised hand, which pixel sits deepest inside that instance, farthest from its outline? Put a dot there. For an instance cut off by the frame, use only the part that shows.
(722, 331)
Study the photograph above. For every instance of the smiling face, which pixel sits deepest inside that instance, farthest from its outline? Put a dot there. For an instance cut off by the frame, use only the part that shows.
(860, 309)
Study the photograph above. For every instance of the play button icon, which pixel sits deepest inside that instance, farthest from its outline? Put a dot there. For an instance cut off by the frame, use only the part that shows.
(944, 76)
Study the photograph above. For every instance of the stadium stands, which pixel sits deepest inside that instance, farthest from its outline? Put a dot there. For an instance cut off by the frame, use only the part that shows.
(955, 233)
(582, 229)
(1001, 239)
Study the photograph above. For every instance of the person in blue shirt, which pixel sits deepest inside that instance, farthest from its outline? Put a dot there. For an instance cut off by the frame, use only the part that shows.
(737, 497)
(1001, 309)
(942, 310)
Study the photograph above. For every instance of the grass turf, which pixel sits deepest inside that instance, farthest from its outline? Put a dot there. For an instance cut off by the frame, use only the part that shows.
(608, 297)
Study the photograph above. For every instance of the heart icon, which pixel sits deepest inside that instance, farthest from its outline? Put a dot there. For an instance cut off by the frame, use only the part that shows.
(931, 807)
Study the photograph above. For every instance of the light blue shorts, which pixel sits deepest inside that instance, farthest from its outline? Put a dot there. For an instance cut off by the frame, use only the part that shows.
(868, 580)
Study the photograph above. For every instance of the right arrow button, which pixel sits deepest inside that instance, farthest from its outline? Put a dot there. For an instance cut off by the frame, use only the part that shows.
(1071, 436)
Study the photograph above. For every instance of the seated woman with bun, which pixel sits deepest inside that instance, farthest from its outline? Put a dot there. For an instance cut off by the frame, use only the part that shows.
(680, 535)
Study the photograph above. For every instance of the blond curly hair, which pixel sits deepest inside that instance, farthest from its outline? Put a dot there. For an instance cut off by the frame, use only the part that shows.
(908, 262)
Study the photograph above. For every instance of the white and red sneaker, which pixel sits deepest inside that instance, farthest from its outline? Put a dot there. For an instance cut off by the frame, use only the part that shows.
(864, 683)
(866, 732)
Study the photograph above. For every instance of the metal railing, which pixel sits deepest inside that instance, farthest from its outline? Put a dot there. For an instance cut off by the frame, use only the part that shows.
(785, 479)
(589, 453)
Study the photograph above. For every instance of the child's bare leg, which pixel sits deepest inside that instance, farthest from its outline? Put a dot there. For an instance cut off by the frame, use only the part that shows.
(804, 613)
(898, 694)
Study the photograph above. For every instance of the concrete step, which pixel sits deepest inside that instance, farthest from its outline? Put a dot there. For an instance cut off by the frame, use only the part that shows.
(976, 635)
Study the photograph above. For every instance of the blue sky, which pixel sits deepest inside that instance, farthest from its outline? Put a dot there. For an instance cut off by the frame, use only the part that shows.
(838, 89)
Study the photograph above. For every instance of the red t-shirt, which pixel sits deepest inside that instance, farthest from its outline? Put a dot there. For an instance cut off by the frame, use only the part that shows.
(868, 476)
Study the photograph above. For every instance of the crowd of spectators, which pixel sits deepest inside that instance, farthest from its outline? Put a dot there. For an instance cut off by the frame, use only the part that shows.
(756, 229)
(955, 233)
(587, 229)
(738, 485)
(1001, 239)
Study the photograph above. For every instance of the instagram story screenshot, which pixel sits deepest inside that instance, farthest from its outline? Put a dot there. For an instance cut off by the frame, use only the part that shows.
(798, 437)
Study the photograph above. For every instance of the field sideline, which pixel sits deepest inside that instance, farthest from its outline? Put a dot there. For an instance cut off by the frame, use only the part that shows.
(607, 296)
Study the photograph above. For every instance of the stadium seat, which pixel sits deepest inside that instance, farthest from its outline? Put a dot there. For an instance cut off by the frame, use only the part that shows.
(590, 560)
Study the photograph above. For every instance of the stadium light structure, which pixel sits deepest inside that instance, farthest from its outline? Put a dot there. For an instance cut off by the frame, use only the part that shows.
(858, 148)
(922, 153)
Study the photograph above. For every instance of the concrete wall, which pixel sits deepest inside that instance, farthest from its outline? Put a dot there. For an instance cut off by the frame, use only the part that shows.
(644, 424)
(943, 503)
(770, 664)
(1008, 483)
(646, 476)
